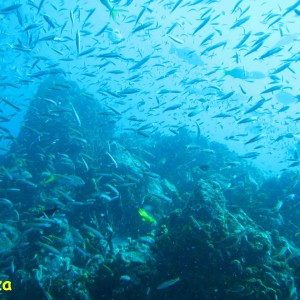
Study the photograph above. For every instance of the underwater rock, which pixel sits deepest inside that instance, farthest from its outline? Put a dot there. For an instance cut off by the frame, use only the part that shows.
(135, 224)
(31, 288)
(126, 162)
(207, 201)
(135, 253)
(153, 186)
(9, 238)
(134, 259)
(170, 189)
(226, 253)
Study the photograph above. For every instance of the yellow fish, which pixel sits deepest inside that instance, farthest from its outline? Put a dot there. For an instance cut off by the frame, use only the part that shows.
(146, 217)
(51, 179)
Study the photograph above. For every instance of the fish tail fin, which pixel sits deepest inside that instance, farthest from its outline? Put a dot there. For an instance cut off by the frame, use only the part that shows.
(115, 11)
(224, 73)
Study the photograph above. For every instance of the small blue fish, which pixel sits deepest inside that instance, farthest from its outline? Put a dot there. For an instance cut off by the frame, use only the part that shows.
(176, 40)
(272, 89)
(256, 47)
(213, 47)
(172, 107)
(168, 283)
(143, 26)
(255, 106)
(10, 8)
(140, 63)
(271, 52)
(281, 68)
(244, 39)
(292, 7)
(249, 155)
(226, 96)
(202, 24)
(255, 139)
(125, 278)
(176, 5)
(240, 22)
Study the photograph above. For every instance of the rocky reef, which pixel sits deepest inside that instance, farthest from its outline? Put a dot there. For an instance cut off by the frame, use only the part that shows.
(88, 215)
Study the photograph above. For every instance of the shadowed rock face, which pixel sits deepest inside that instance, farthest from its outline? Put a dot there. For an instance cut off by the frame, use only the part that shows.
(61, 118)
